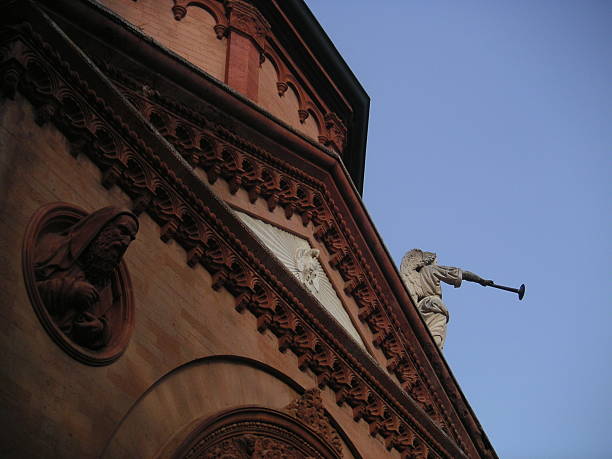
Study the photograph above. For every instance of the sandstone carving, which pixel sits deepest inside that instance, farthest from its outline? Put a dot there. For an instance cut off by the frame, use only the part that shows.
(309, 409)
(307, 268)
(76, 279)
(422, 277)
(254, 447)
(255, 433)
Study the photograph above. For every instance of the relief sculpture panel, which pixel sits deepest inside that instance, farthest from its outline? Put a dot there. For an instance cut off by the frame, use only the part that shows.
(302, 261)
(77, 281)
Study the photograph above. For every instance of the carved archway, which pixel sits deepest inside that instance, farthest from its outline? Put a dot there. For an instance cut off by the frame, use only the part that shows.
(255, 433)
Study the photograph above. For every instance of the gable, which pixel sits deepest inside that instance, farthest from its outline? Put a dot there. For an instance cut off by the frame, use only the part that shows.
(296, 254)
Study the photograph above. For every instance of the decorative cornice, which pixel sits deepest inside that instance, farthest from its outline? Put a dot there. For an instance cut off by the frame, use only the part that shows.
(243, 165)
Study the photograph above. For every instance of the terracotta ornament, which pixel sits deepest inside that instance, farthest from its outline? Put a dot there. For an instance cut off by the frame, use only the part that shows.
(77, 282)
(309, 410)
(256, 433)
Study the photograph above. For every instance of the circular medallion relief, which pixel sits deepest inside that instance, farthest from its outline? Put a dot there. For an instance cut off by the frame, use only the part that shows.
(77, 282)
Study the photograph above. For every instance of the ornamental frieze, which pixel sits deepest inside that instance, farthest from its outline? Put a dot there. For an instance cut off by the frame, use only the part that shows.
(230, 15)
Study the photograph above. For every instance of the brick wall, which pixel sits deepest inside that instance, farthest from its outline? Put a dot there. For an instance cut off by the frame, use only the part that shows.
(58, 406)
(284, 107)
(61, 408)
(192, 38)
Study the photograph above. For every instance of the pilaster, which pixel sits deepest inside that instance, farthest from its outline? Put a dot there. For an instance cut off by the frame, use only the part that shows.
(247, 34)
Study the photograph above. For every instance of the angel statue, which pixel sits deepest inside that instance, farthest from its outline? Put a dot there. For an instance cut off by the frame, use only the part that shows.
(422, 277)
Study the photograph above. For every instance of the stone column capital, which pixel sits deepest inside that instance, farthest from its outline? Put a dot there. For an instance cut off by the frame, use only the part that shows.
(247, 20)
(335, 132)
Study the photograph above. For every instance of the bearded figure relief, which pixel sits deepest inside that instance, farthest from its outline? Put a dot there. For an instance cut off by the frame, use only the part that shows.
(77, 282)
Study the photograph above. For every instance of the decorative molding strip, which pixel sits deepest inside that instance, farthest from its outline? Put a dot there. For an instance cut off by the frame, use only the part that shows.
(244, 18)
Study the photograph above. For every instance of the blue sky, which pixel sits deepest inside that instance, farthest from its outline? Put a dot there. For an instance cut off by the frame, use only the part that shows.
(490, 143)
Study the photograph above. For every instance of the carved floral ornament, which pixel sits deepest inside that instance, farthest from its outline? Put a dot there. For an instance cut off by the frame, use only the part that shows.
(309, 409)
(77, 281)
(302, 431)
(308, 269)
(60, 95)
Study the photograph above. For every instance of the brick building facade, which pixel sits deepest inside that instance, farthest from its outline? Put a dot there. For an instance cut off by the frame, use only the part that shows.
(257, 313)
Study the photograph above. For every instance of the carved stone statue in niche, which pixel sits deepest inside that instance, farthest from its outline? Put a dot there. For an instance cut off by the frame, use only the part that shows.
(76, 279)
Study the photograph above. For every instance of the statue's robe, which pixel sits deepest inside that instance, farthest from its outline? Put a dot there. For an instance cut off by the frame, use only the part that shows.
(58, 270)
(425, 285)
